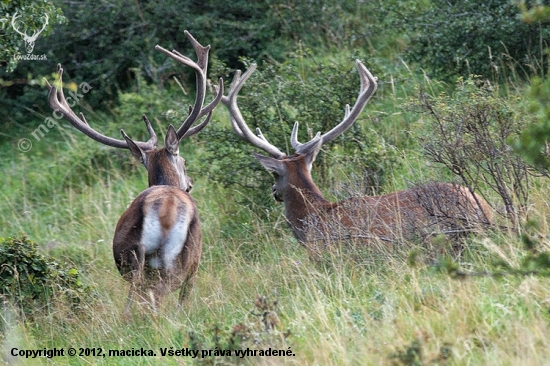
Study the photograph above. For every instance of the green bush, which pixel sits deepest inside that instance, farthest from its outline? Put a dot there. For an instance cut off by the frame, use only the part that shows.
(32, 281)
(108, 44)
(451, 38)
(31, 17)
(258, 332)
(532, 145)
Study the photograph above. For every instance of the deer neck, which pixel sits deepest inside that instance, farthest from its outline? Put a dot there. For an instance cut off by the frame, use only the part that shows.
(163, 170)
(302, 198)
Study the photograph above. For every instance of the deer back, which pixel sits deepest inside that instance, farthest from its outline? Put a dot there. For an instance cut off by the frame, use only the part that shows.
(418, 212)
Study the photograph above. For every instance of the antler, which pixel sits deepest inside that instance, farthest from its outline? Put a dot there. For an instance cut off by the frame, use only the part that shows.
(237, 121)
(368, 87)
(59, 104)
(196, 111)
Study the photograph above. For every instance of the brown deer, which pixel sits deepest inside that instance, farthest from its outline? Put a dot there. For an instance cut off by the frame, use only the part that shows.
(423, 210)
(157, 242)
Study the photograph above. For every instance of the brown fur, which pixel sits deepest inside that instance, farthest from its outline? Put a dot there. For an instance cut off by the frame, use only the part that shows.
(130, 257)
(419, 211)
(167, 199)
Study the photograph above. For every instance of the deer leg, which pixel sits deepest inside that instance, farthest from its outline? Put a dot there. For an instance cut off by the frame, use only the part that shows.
(137, 263)
(130, 299)
(186, 287)
(190, 257)
(161, 289)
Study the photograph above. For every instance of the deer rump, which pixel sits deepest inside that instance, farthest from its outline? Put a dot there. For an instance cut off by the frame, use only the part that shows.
(419, 212)
(163, 221)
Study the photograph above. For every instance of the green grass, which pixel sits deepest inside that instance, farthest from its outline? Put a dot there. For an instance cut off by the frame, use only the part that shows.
(337, 312)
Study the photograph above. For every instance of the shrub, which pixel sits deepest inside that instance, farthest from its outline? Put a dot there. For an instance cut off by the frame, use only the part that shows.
(30, 19)
(469, 134)
(107, 43)
(452, 38)
(532, 145)
(259, 332)
(32, 281)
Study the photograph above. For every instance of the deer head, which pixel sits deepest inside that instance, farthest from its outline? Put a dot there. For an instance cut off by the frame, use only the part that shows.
(281, 165)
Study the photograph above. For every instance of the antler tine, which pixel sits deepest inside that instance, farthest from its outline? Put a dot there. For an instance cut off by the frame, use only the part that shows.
(59, 104)
(198, 128)
(152, 134)
(217, 99)
(294, 139)
(200, 67)
(368, 87)
(208, 110)
(260, 134)
(237, 121)
(200, 50)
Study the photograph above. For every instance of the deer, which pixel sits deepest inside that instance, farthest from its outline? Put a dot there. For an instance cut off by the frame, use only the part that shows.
(157, 242)
(424, 210)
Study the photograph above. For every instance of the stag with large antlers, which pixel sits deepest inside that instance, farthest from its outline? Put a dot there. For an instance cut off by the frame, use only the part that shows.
(423, 210)
(157, 242)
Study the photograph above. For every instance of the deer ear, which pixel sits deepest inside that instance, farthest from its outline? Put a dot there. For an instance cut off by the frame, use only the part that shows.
(271, 164)
(172, 142)
(134, 149)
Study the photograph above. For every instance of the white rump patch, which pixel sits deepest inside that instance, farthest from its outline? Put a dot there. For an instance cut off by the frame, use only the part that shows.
(151, 234)
(173, 245)
(168, 242)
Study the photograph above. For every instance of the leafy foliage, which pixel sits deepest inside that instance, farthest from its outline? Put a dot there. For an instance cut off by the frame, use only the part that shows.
(534, 12)
(259, 331)
(32, 280)
(533, 142)
(413, 355)
(109, 43)
(452, 38)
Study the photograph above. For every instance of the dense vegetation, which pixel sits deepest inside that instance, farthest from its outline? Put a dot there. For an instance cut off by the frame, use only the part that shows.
(463, 96)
